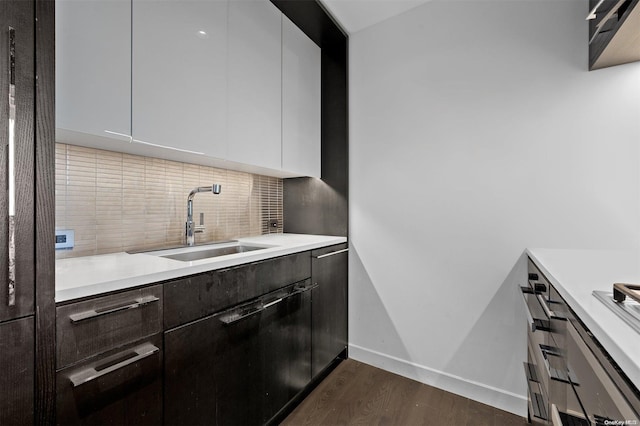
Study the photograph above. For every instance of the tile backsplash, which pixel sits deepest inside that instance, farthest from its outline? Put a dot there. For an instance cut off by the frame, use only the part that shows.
(119, 202)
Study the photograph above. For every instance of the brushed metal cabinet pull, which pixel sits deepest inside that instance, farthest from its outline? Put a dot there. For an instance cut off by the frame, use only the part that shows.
(82, 316)
(11, 299)
(333, 253)
(525, 291)
(239, 315)
(538, 402)
(592, 13)
(550, 314)
(305, 289)
(91, 374)
(274, 302)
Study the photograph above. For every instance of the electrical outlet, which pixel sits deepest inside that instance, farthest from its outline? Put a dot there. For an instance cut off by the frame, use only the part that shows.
(65, 239)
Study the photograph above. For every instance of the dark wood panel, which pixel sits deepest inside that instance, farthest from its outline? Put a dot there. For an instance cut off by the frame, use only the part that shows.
(201, 295)
(209, 367)
(130, 395)
(45, 213)
(243, 372)
(80, 340)
(329, 306)
(16, 372)
(357, 393)
(286, 345)
(19, 15)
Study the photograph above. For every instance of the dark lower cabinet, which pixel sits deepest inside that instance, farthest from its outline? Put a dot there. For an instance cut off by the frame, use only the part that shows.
(286, 342)
(241, 366)
(17, 372)
(329, 309)
(120, 387)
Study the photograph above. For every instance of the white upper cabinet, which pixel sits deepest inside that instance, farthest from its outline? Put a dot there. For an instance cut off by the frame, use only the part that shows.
(224, 83)
(180, 75)
(93, 68)
(254, 83)
(301, 84)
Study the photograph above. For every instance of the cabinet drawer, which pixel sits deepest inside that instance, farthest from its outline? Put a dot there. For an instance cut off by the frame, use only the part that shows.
(122, 386)
(91, 327)
(200, 295)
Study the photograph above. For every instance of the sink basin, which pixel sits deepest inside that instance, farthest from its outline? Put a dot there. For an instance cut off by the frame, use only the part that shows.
(189, 254)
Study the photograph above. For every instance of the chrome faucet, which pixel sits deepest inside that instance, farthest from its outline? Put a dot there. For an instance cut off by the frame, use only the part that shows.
(190, 227)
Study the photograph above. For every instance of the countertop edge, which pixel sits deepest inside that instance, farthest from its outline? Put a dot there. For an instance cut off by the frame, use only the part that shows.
(608, 342)
(104, 287)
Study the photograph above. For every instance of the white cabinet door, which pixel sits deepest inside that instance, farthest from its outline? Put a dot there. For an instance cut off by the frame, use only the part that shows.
(301, 74)
(93, 66)
(179, 74)
(254, 83)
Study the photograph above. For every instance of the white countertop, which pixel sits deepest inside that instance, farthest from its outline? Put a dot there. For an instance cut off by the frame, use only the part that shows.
(91, 275)
(576, 274)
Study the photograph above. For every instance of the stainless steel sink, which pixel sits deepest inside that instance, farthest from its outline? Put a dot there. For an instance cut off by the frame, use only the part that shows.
(191, 255)
(205, 251)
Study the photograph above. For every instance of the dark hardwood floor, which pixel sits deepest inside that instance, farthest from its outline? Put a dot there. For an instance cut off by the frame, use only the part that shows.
(359, 394)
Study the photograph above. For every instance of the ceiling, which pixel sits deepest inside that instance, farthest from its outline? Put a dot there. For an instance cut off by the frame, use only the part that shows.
(355, 15)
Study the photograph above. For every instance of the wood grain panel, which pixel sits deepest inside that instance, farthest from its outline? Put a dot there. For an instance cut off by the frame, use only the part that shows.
(130, 395)
(92, 336)
(329, 312)
(45, 213)
(16, 372)
(201, 295)
(20, 16)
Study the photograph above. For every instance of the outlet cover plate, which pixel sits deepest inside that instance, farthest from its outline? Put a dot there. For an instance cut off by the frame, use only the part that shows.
(65, 239)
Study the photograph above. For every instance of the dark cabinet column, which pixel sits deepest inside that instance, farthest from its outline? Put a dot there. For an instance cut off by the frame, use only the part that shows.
(16, 372)
(17, 180)
(27, 287)
(17, 171)
(329, 305)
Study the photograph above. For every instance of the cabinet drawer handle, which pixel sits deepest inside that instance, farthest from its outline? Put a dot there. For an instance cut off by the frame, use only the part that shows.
(11, 192)
(530, 372)
(536, 323)
(273, 302)
(240, 314)
(564, 375)
(550, 314)
(305, 289)
(333, 253)
(142, 301)
(538, 402)
(131, 357)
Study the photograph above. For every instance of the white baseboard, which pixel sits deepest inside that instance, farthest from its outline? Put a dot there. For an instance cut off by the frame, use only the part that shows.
(499, 398)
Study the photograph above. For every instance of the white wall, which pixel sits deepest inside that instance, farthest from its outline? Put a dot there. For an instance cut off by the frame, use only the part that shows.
(476, 131)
